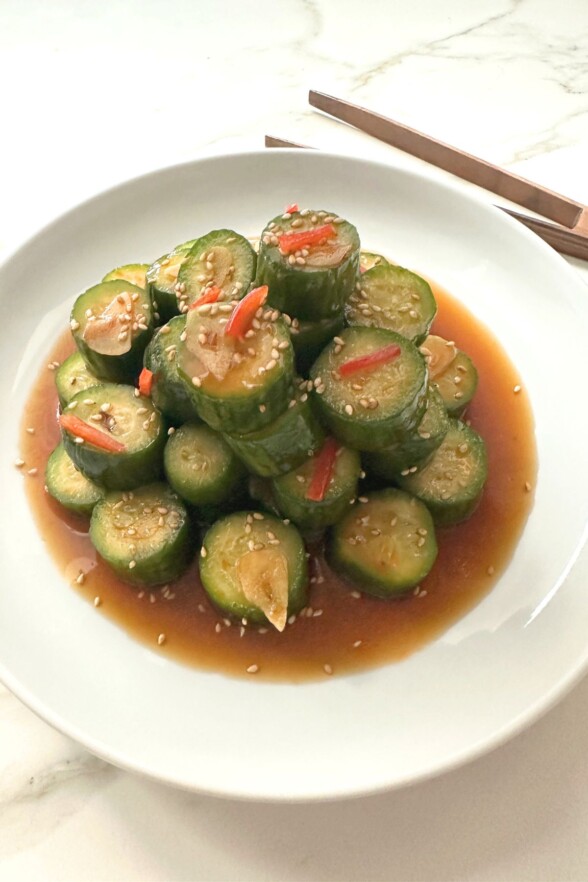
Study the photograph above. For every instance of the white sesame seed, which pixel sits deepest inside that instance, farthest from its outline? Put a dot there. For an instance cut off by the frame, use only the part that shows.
(253, 669)
(357, 643)
(132, 564)
(19, 463)
(516, 389)
(196, 381)
(97, 600)
(528, 486)
(161, 639)
(328, 669)
(490, 571)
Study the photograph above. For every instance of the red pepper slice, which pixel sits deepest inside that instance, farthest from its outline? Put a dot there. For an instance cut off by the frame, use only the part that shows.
(323, 470)
(244, 312)
(368, 362)
(290, 209)
(75, 426)
(211, 295)
(289, 242)
(146, 382)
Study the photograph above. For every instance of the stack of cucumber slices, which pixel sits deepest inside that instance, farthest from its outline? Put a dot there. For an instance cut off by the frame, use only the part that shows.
(235, 404)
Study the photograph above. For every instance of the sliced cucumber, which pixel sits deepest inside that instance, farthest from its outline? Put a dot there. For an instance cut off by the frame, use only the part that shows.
(240, 385)
(451, 372)
(170, 393)
(418, 446)
(315, 281)
(133, 421)
(162, 279)
(290, 491)
(452, 481)
(393, 298)
(112, 324)
(201, 467)
(284, 444)
(73, 375)
(135, 273)
(68, 486)
(386, 545)
(143, 535)
(371, 409)
(222, 259)
(253, 566)
(368, 260)
(309, 338)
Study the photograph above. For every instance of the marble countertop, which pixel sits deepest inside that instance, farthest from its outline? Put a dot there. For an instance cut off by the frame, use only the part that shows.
(96, 93)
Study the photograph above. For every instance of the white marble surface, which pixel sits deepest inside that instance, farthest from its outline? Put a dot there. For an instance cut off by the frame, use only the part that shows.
(94, 93)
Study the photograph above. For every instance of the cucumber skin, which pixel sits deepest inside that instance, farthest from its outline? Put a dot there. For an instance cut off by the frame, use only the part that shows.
(457, 407)
(217, 496)
(80, 507)
(297, 432)
(114, 368)
(170, 394)
(307, 293)
(446, 513)
(390, 461)
(119, 471)
(297, 596)
(356, 574)
(373, 434)
(159, 569)
(167, 301)
(311, 338)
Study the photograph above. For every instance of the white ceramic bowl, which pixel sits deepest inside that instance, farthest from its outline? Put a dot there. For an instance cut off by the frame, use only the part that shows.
(490, 674)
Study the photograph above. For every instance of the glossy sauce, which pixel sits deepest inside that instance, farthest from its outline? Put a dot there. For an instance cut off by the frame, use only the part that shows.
(471, 555)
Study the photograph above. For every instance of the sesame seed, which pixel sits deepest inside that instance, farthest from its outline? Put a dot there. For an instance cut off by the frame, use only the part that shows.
(32, 472)
(97, 600)
(253, 669)
(196, 381)
(258, 516)
(161, 639)
(362, 499)
(490, 571)
(80, 578)
(218, 628)
(262, 408)
(132, 564)
(516, 389)
(348, 409)
(171, 430)
(19, 463)
(528, 486)
(356, 595)
(458, 395)
(328, 669)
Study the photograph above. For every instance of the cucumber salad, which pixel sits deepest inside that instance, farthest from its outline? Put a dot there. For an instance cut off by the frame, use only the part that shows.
(239, 404)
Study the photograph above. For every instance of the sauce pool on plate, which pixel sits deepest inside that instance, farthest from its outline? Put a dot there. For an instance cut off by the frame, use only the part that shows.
(341, 630)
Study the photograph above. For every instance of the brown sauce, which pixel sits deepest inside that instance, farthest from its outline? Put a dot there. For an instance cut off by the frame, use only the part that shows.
(471, 555)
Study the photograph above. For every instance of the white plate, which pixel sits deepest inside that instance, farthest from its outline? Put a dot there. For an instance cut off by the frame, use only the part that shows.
(487, 676)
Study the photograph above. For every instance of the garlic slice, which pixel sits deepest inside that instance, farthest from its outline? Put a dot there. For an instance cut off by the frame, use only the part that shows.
(205, 340)
(439, 354)
(110, 333)
(263, 576)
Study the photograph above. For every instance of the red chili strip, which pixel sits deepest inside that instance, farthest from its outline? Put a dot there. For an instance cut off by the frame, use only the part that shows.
(371, 361)
(211, 295)
(75, 426)
(290, 209)
(146, 382)
(323, 471)
(289, 242)
(244, 312)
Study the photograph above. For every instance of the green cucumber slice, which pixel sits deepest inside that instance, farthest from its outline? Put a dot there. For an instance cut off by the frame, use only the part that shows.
(290, 491)
(375, 408)
(315, 282)
(223, 259)
(394, 298)
(144, 535)
(285, 443)
(369, 259)
(68, 485)
(253, 566)
(451, 372)
(132, 420)
(72, 376)
(170, 393)
(452, 481)
(309, 338)
(386, 545)
(135, 273)
(162, 279)
(417, 447)
(111, 325)
(201, 467)
(246, 384)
